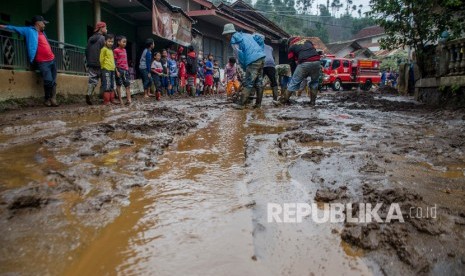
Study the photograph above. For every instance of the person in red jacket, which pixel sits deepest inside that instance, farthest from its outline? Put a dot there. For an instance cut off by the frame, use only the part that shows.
(182, 74)
(303, 52)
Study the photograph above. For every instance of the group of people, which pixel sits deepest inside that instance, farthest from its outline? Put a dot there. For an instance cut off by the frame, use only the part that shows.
(389, 78)
(255, 57)
(172, 72)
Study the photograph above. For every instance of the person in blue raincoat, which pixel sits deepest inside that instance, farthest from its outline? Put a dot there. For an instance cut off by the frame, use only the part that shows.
(249, 51)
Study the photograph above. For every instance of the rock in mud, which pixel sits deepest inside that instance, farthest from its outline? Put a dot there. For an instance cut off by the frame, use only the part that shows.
(372, 167)
(28, 201)
(328, 195)
(314, 156)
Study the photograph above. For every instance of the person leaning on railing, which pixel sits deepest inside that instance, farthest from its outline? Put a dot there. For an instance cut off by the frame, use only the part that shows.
(40, 53)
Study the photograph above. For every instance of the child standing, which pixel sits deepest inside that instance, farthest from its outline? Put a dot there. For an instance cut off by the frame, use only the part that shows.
(209, 75)
(216, 75)
(231, 77)
(165, 77)
(201, 78)
(191, 69)
(144, 66)
(182, 75)
(107, 64)
(173, 75)
(157, 74)
(122, 69)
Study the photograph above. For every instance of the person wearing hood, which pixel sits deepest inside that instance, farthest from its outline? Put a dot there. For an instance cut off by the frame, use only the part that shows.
(94, 45)
(40, 54)
(249, 50)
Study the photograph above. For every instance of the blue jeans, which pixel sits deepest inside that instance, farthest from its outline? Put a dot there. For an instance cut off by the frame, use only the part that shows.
(304, 70)
(48, 70)
(174, 85)
(146, 81)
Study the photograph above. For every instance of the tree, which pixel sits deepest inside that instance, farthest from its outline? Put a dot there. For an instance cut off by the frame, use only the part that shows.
(319, 31)
(360, 23)
(304, 6)
(417, 23)
(324, 10)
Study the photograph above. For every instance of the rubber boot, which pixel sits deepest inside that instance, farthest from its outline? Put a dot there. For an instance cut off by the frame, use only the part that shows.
(53, 99)
(258, 101)
(313, 94)
(275, 93)
(90, 92)
(106, 98)
(48, 96)
(113, 98)
(244, 98)
(284, 99)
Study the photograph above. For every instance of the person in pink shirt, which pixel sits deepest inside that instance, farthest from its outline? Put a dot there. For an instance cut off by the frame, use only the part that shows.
(122, 69)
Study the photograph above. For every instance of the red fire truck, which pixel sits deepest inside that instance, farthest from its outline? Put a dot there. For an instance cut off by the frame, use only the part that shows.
(347, 73)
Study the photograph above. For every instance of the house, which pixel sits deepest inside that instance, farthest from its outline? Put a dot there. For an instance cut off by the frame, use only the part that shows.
(171, 23)
(210, 20)
(369, 37)
(347, 49)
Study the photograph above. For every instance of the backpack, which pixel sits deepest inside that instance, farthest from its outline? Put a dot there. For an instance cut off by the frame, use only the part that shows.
(191, 66)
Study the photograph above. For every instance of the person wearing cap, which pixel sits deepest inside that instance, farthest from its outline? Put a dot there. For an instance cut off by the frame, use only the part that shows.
(303, 52)
(94, 45)
(249, 50)
(40, 53)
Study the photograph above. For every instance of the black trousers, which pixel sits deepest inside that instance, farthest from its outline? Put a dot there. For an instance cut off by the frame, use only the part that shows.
(270, 72)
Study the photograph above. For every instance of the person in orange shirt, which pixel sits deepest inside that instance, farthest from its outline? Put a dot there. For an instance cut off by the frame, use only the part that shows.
(231, 77)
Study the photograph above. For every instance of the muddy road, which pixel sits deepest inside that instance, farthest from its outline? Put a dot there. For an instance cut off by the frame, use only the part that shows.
(183, 186)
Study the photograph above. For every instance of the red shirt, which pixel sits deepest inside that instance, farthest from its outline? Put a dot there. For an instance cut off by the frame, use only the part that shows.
(121, 58)
(182, 69)
(44, 51)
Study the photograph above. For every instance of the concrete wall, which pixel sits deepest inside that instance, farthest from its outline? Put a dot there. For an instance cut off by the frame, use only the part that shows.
(25, 84)
(448, 91)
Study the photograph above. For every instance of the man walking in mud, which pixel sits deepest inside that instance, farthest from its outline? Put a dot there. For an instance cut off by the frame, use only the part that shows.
(40, 54)
(249, 50)
(94, 45)
(304, 53)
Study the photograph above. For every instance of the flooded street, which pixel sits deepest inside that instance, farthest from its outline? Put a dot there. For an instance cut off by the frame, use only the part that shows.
(183, 187)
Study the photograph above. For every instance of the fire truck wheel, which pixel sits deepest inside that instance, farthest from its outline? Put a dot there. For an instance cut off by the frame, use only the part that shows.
(337, 85)
(367, 86)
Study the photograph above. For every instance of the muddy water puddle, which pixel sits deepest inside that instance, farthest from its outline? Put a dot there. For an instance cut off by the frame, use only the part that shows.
(201, 215)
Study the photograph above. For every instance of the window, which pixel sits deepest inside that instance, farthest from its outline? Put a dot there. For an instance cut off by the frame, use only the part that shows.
(336, 64)
(345, 63)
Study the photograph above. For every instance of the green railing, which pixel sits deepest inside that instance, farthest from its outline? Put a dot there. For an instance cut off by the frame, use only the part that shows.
(70, 58)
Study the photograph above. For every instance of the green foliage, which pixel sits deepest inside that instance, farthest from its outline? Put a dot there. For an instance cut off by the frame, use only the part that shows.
(393, 61)
(360, 23)
(319, 31)
(417, 23)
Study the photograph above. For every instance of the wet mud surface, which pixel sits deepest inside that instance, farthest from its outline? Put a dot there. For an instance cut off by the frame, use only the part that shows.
(182, 187)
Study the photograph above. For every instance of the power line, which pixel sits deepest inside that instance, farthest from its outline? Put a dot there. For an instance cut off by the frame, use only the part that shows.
(298, 17)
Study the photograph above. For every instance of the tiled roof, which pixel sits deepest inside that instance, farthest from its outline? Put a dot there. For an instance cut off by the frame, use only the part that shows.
(369, 32)
(319, 45)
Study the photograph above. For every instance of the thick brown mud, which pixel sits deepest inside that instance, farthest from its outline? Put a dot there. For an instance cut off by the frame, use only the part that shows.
(183, 187)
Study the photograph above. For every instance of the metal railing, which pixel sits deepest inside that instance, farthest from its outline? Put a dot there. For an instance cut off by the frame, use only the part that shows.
(69, 58)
